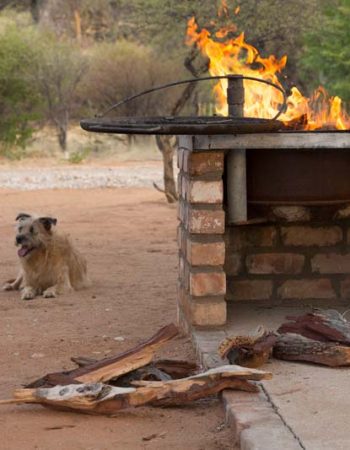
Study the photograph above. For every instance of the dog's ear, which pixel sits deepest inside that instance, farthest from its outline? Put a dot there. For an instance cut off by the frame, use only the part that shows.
(22, 216)
(47, 222)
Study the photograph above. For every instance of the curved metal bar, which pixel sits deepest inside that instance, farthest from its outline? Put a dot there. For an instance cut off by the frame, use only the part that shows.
(195, 80)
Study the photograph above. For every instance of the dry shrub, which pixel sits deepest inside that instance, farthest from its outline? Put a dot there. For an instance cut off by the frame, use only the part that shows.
(122, 69)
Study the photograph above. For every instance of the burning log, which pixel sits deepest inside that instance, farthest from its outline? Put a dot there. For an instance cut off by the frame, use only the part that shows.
(249, 351)
(298, 123)
(113, 367)
(99, 398)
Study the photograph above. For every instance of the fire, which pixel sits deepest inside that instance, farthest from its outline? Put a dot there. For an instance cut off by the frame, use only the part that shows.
(236, 56)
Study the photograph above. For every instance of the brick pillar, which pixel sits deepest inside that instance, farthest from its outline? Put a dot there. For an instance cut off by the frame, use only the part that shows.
(202, 280)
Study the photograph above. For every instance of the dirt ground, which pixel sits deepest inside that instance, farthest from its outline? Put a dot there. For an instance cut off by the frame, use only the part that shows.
(129, 238)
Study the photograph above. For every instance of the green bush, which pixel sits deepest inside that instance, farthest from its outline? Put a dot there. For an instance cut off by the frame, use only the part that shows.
(19, 97)
(326, 57)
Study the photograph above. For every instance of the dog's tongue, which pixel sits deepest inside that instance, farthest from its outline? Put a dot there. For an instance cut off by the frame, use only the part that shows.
(23, 251)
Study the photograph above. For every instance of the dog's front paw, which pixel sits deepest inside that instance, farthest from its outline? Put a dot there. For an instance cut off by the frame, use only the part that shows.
(50, 293)
(7, 287)
(28, 294)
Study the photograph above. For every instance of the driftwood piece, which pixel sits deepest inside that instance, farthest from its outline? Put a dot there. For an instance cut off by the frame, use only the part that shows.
(99, 398)
(252, 350)
(294, 347)
(111, 367)
(321, 325)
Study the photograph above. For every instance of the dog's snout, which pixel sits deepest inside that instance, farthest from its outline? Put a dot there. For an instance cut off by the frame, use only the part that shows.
(19, 239)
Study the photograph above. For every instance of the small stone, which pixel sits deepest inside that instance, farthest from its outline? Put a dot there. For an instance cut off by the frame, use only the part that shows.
(119, 338)
(37, 355)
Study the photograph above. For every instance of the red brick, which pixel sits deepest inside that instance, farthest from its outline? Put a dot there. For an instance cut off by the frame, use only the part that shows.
(233, 263)
(331, 263)
(306, 289)
(207, 283)
(203, 163)
(201, 312)
(208, 313)
(203, 221)
(307, 236)
(276, 263)
(249, 289)
(240, 237)
(205, 254)
(292, 213)
(204, 191)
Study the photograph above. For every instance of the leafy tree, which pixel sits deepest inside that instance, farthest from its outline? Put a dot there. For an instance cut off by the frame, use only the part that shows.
(19, 97)
(34, 6)
(273, 26)
(326, 57)
(59, 68)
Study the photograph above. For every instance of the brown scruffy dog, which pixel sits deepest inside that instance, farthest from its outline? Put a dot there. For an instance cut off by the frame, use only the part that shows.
(50, 265)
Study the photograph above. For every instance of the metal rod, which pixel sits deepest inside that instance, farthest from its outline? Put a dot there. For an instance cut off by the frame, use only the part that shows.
(193, 80)
(236, 158)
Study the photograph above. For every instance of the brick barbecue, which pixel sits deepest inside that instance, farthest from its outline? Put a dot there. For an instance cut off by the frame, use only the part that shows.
(264, 209)
(293, 252)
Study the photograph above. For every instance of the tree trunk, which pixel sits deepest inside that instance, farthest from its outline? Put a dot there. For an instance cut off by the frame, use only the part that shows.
(35, 6)
(62, 126)
(62, 140)
(168, 150)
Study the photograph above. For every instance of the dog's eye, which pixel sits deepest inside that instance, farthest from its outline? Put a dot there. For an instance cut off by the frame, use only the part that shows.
(31, 229)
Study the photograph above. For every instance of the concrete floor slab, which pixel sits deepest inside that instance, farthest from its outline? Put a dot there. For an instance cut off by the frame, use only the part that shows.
(303, 406)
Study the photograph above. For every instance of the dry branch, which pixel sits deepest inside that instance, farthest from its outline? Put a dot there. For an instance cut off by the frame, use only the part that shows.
(173, 367)
(112, 367)
(99, 398)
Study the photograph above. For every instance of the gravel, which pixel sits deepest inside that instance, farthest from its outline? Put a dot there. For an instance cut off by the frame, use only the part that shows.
(80, 177)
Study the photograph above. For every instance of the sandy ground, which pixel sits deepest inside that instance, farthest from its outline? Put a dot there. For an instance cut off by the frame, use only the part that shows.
(129, 238)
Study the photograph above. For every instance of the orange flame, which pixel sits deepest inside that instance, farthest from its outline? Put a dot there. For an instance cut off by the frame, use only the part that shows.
(236, 56)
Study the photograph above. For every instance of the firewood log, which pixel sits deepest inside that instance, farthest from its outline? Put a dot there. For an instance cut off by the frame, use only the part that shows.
(252, 350)
(321, 325)
(294, 347)
(99, 398)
